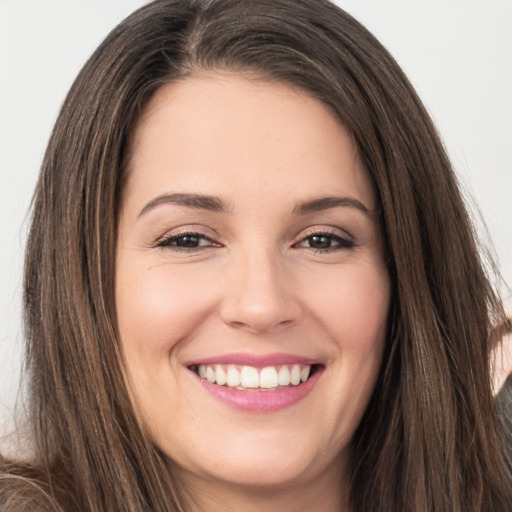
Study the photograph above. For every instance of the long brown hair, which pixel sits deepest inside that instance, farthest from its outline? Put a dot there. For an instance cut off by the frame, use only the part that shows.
(431, 438)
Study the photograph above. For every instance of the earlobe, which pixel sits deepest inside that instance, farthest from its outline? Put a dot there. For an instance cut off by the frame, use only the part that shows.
(501, 358)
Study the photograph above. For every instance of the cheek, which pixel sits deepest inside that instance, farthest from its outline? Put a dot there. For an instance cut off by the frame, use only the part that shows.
(353, 307)
(365, 317)
(157, 308)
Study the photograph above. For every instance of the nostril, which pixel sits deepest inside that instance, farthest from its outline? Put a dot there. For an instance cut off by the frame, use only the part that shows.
(259, 298)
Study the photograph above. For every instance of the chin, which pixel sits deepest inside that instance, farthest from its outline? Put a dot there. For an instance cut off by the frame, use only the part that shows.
(261, 458)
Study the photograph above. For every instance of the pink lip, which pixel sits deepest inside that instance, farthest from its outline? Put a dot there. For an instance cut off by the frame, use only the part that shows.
(258, 361)
(261, 401)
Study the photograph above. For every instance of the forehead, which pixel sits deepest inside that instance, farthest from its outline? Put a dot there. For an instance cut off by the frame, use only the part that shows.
(220, 133)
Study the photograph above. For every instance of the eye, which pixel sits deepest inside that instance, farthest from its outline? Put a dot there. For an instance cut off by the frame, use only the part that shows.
(325, 242)
(187, 242)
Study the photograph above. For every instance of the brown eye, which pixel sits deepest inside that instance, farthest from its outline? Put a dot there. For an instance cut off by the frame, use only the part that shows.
(325, 242)
(186, 242)
(320, 241)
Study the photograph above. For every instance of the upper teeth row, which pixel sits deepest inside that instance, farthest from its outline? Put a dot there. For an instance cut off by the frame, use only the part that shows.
(251, 377)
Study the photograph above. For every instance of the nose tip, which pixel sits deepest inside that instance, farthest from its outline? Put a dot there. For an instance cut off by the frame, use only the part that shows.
(250, 317)
(260, 298)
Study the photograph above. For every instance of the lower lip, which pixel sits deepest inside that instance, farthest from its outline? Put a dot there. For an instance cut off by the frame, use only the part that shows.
(261, 401)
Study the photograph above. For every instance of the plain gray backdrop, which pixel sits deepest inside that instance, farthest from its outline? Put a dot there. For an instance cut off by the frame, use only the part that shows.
(457, 53)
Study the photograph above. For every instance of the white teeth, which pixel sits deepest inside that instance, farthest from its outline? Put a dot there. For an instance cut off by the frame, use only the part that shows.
(284, 376)
(233, 377)
(268, 377)
(295, 375)
(220, 375)
(250, 377)
(210, 374)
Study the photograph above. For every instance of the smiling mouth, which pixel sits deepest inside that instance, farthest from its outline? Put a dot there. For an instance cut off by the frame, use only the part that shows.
(251, 378)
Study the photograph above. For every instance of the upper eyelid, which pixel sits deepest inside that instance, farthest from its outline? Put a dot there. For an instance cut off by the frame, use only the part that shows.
(174, 236)
(325, 230)
(199, 230)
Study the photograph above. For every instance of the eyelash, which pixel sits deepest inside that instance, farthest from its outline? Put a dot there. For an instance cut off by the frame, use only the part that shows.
(343, 243)
(172, 241)
(167, 242)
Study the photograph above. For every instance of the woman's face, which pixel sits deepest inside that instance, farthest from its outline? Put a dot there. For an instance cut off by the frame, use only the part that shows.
(251, 290)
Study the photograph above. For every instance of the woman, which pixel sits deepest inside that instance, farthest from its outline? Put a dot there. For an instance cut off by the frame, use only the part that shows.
(251, 282)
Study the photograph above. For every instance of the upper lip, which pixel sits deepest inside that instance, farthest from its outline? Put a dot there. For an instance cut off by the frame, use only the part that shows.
(256, 360)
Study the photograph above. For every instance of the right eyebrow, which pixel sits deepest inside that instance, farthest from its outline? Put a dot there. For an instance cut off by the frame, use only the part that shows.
(199, 201)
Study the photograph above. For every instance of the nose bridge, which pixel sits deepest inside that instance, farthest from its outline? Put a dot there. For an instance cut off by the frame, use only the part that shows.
(259, 295)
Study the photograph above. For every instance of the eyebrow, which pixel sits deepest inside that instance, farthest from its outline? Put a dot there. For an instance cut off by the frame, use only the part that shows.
(199, 201)
(215, 204)
(325, 203)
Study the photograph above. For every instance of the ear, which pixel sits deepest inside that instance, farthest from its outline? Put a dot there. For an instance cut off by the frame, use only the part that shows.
(501, 356)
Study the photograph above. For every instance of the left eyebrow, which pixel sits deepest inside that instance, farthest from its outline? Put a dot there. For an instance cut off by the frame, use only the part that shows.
(325, 203)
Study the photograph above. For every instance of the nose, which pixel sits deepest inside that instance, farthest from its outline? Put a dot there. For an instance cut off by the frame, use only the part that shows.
(259, 295)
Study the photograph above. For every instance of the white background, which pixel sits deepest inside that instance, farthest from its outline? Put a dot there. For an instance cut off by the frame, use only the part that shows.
(458, 54)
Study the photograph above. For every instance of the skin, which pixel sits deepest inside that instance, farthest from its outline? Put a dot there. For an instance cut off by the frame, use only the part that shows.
(502, 353)
(256, 284)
